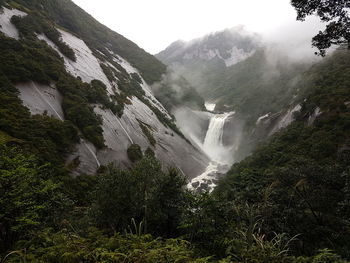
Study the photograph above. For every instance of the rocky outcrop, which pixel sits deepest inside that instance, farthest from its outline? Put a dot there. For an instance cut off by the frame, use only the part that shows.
(119, 132)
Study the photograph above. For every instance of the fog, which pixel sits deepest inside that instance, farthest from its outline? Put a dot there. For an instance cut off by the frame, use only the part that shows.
(154, 24)
(287, 45)
(294, 40)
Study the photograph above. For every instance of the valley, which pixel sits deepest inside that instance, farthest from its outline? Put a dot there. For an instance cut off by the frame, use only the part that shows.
(227, 148)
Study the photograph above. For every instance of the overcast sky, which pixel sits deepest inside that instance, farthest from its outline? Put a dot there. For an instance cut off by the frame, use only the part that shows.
(154, 24)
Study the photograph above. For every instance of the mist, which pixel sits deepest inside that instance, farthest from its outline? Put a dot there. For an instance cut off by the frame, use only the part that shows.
(293, 40)
(285, 47)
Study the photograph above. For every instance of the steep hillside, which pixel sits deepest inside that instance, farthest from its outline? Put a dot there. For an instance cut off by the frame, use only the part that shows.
(78, 99)
(97, 36)
(264, 85)
(259, 84)
(74, 74)
(299, 179)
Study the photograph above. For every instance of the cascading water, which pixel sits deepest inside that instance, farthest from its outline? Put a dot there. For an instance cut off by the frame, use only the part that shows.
(219, 154)
(213, 144)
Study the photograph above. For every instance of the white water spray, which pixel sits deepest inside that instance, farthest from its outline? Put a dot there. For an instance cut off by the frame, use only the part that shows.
(213, 143)
(214, 147)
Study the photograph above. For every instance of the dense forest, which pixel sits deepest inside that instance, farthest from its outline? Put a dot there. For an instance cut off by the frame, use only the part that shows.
(287, 202)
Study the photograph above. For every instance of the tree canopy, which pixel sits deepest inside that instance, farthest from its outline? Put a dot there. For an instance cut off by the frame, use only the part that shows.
(333, 12)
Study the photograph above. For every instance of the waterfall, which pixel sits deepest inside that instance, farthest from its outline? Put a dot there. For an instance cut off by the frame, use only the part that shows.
(219, 154)
(213, 144)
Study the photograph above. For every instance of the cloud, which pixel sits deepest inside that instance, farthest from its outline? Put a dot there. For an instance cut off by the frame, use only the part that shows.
(293, 40)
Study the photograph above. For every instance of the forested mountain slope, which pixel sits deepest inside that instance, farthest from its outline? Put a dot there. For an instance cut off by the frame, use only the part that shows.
(299, 179)
(78, 99)
(95, 84)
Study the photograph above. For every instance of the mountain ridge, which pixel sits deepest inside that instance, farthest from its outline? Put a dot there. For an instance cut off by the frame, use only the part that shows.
(232, 42)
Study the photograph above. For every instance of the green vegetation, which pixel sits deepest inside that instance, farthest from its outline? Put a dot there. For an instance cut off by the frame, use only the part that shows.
(134, 153)
(29, 60)
(144, 194)
(68, 15)
(132, 87)
(288, 202)
(34, 23)
(147, 131)
(45, 136)
(257, 86)
(49, 217)
(77, 95)
(300, 178)
(334, 14)
(67, 246)
(29, 194)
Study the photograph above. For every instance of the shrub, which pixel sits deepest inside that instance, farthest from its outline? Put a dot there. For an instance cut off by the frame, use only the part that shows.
(134, 153)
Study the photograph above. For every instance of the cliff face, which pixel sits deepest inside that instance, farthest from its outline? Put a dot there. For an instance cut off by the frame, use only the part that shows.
(123, 101)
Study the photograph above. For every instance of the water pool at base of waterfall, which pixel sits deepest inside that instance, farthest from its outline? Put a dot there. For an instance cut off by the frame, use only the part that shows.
(207, 181)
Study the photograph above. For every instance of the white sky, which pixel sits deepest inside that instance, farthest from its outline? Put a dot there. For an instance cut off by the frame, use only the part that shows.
(154, 24)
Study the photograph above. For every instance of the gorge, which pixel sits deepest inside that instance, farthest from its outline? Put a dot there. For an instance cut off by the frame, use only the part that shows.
(226, 148)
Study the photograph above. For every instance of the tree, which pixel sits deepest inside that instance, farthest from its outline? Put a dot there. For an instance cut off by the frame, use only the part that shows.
(146, 194)
(134, 153)
(114, 199)
(333, 12)
(30, 199)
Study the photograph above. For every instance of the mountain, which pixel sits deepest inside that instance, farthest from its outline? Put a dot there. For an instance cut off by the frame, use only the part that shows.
(299, 177)
(229, 46)
(237, 70)
(263, 83)
(79, 99)
(79, 95)
(202, 59)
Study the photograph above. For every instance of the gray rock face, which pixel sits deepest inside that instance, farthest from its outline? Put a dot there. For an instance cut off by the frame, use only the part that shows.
(203, 61)
(317, 112)
(269, 123)
(170, 148)
(41, 98)
(119, 133)
(230, 46)
(286, 119)
(85, 158)
(5, 21)
(194, 124)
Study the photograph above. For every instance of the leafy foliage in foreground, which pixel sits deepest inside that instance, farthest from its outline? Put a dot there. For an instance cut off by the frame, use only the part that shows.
(335, 14)
(145, 194)
(30, 196)
(49, 217)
